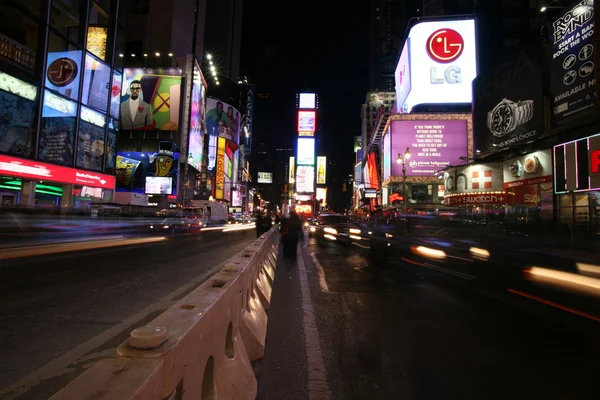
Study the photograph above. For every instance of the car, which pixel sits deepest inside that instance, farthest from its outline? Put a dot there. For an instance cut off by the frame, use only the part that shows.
(174, 225)
(338, 229)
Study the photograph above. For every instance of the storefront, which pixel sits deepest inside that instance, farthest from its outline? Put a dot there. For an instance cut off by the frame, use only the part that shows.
(577, 188)
(28, 183)
(528, 182)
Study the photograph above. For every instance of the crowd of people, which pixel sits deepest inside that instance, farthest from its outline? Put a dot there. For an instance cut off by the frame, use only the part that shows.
(290, 229)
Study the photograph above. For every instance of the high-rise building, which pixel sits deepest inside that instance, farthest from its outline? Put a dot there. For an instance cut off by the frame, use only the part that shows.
(60, 81)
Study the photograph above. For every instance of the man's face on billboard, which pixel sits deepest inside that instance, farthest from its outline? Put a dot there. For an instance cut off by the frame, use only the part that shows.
(219, 107)
(135, 90)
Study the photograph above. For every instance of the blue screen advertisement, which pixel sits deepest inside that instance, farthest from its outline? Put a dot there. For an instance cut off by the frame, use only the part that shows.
(132, 168)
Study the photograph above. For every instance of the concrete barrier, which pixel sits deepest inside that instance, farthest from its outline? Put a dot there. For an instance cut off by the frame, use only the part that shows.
(201, 347)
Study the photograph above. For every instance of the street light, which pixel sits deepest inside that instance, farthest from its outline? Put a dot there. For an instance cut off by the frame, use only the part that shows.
(401, 159)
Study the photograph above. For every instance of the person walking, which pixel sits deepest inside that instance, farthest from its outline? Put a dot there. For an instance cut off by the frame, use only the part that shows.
(291, 232)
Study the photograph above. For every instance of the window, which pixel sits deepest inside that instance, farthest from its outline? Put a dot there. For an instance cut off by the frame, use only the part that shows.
(90, 140)
(96, 82)
(58, 129)
(97, 31)
(63, 67)
(115, 94)
(20, 32)
(18, 110)
(65, 18)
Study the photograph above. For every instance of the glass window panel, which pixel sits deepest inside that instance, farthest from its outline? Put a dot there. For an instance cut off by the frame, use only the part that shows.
(63, 67)
(18, 110)
(58, 129)
(97, 31)
(90, 146)
(96, 82)
(18, 33)
(65, 18)
(111, 152)
(582, 199)
(115, 94)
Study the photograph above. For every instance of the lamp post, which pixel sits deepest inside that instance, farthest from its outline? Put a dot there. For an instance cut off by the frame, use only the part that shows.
(401, 159)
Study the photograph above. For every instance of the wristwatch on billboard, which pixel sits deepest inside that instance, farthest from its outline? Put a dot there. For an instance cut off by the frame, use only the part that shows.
(507, 115)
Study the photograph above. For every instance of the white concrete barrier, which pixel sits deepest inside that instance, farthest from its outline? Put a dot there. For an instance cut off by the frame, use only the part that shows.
(201, 347)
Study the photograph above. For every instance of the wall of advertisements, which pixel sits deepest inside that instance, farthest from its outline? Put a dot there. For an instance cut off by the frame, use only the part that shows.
(474, 184)
(197, 115)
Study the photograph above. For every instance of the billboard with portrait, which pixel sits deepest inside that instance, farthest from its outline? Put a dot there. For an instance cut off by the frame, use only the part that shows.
(222, 120)
(18, 100)
(150, 99)
(197, 123)
(133, 168)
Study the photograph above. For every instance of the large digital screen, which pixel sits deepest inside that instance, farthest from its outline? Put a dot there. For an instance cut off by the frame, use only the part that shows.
(63, 72)
(307, 100)
(442, 59)
(433, 145)
(222, 120)
(321, 170)
(150, 98)
(305, 179)
(159, 185)
(265, 177)
(321, 195)
(292, 170)
(96, 83)
(90, 140)
(132, 168)
(306, 151)
(196, 136)
(307, 121)
(18, 104)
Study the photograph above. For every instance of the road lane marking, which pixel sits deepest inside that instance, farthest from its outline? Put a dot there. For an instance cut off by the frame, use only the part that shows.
(318, 387)
(67, 362)
(321, 272)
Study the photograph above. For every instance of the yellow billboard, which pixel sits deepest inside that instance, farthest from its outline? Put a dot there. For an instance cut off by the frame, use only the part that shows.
(220, 175)
(321, 170)
(292, 169)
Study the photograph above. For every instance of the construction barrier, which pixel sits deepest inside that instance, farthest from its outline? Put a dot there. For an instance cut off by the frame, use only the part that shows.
(201, 347)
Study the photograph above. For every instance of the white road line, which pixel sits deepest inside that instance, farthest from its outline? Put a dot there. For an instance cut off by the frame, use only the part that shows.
(318, 387)
(321, 272)
(64, 364)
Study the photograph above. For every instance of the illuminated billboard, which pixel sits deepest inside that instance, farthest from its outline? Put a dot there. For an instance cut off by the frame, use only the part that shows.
(438, 65)
(220, 174)
(292, 170)
(307, 121)
(321, 196)
(434, 144)
(265, 177)
(197, 112)
(307, 100)
(305, 179)
(321, 170)
(150, 98)
(306, 151)
(222, 120)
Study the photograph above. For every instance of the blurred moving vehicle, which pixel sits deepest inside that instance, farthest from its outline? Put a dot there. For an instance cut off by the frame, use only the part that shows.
(338, 229)
(176, 225)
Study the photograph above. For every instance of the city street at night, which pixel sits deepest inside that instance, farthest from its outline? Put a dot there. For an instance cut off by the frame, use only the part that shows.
(60, 313)
(408, 332)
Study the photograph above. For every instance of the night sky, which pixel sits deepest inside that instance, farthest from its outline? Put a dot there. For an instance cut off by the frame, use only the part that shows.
(319, 46)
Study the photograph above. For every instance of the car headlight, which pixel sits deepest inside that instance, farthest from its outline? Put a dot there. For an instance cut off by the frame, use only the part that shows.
(151, 226)
(312, 229)
(389, 235)
(355, 231)
(331, 230)
(166, 227)
(479, 253)
(428, 252)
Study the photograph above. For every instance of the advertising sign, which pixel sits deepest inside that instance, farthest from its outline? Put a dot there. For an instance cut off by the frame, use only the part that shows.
(90, 140)
(402, 76)
(150, 98)
(321, 170)
(508, 103)
(386, 150)
(305, 179)
(57, 137)
(132, 168)
(306, 151)
(577, 165)
(197, 112)
(474, 184)
(220, 174)
(529, 169)
(307, 121)
(222, 120)
(249, 120)
(292, 170)
(433, 144)
(28, 169)
(63, 71)
(18, 104)
(265, 177)
(572, 73)
(307, 100)
(442, 56)
(321, 196)
(159, 185)
(96, 83)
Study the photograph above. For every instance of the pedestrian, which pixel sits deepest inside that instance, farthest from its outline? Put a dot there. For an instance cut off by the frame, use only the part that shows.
(291, 232)
(259, 224)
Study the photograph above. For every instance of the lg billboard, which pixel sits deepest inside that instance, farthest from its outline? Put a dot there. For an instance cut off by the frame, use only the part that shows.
(437, 65)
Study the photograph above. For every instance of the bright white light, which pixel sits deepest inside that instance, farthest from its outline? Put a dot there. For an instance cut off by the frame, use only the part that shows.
(356, 231)
(145, 54)
(209, 56)
(132, 55)
(331, 230)
(121, 55)
(170, 54)
(543, 9)
(157, 54)
(479, 253)
(429, 252)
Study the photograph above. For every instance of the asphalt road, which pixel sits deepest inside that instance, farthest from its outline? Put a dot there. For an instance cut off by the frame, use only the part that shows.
(60, 313)
(411, 333)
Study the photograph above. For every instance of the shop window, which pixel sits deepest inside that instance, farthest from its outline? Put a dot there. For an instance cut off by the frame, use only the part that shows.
(97, 31)
(19, 32)
(115, 94)
(58, 129)
(63, 67)
(65, 18)
(96, 83)
(90, 140)
(18, 110)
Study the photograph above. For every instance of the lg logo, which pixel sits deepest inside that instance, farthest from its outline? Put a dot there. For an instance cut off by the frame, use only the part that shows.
(445, 45)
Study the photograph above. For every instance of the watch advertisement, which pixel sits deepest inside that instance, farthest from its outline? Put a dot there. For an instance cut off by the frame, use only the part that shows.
(508, 103)
(529, 169)
(572, 72)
